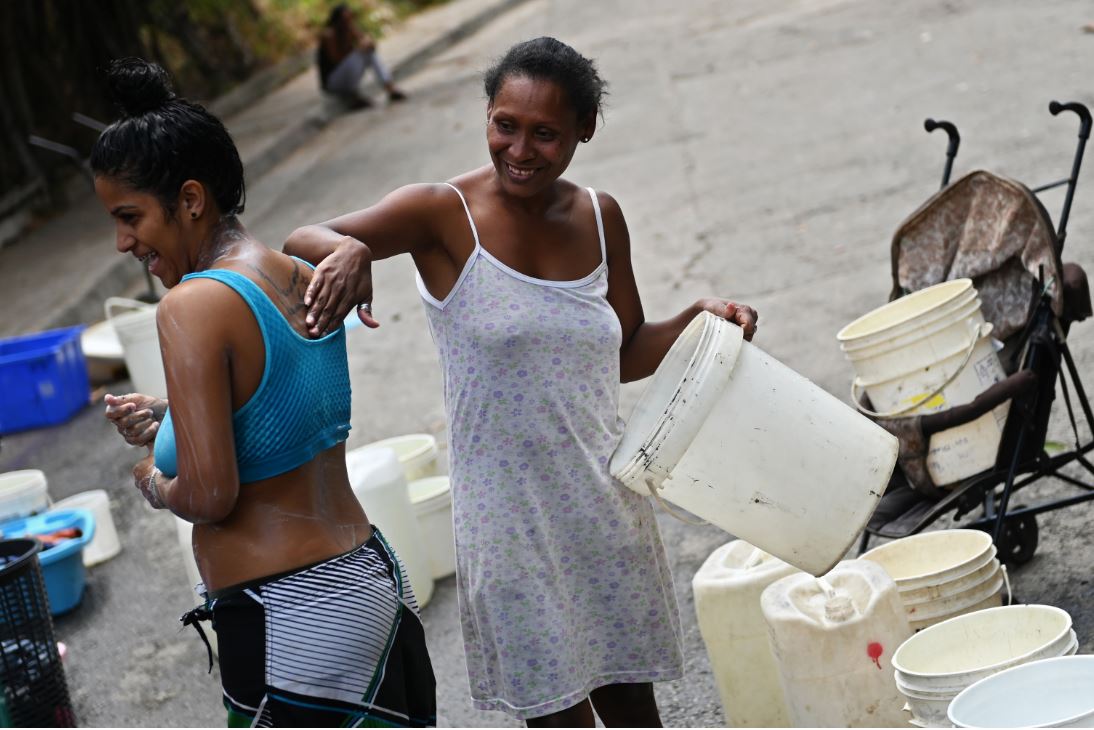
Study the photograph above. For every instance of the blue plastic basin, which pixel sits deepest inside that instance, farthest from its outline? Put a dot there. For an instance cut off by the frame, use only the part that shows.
(63, 565)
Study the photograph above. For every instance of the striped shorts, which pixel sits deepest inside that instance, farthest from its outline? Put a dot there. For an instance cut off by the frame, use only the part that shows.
(337, 644)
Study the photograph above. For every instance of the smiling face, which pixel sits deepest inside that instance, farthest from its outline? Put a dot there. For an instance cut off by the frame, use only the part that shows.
(532, 131)
(144, 229)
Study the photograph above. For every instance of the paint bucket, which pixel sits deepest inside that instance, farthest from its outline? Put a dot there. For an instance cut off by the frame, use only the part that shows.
(432, 501)
(378, 481)
(926, 352)
(934, 665)
(135, 323)
(104, 545)
(755, 448)
(417, 453)
(727, 592)
(1057, 692)
(833, 638)
(23, 493)
(942, 574)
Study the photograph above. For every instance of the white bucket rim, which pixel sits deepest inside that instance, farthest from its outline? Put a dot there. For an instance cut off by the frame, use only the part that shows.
(911, 582)
(1033, 666)
(948, 605)
(427, 490)
(10, 482)
(936, 296)
(953, 691)
(427, 445)
(949, 587)
(714, 343)
(977, 616)
(914, 330)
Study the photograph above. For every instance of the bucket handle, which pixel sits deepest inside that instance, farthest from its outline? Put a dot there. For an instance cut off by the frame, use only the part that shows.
(665, 506)
(980, 330)
(115, 303)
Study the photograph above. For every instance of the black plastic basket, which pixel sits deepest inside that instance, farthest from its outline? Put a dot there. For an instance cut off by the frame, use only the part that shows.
(30, 666)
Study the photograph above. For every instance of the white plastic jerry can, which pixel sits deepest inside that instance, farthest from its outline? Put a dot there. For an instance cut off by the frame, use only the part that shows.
(727, 601)
(833, 639)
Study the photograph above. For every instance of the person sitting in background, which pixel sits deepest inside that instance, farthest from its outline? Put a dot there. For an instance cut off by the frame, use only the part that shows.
(345, 53)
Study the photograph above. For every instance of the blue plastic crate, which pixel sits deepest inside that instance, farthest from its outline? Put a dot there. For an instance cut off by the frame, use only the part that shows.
(43, 379)
(62, 565)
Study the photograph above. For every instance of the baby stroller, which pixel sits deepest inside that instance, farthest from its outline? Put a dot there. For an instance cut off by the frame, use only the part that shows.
(996, 232)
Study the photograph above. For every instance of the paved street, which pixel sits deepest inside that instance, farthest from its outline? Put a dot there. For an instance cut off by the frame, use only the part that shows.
(760, 150)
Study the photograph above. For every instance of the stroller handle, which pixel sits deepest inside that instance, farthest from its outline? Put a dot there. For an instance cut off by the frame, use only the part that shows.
(1055, 107)
(951, 149)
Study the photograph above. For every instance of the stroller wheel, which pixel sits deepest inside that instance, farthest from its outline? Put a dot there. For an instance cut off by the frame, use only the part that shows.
(1018, 541)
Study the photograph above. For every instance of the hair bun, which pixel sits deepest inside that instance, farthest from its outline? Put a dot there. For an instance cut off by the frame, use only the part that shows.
(138, 86)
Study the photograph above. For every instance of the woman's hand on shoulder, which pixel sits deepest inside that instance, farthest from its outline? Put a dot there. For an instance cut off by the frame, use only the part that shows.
(741, 315)
(408, 220)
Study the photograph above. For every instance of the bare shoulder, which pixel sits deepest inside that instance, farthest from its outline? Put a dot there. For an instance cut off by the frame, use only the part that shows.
(199, 310)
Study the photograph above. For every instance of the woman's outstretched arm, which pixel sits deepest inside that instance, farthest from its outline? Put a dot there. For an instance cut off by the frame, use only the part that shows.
(343, 250)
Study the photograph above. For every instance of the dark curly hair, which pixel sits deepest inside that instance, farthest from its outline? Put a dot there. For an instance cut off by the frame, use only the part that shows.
(552, 60)
(163, 140)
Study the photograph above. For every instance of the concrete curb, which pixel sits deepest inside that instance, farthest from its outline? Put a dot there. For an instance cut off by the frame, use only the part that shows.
(119, 279)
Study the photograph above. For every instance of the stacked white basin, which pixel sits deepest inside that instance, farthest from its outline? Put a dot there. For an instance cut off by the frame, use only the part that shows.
(942, 574)
(935, 665)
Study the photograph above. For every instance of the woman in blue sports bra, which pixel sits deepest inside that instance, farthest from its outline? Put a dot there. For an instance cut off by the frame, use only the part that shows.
(316, 622)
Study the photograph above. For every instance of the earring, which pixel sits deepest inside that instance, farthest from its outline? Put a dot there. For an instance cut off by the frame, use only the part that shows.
(193, 215)
(585, 139)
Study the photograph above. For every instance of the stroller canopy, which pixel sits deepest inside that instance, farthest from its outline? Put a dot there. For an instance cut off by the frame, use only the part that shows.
(989, 229)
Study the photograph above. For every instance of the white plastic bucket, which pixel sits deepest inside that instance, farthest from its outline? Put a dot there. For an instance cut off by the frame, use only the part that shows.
(417, 454)
(23, 493)
(104, 545)
(1056, 692)
(140, 340)
(941, 660)
(924, 353)
(378, 482)
(755, 448)
(103, 352)
(932, 558)
(432, 501)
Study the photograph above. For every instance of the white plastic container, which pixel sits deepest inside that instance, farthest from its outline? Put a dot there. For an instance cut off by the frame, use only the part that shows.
(932, 667)
(417, 453)
(377, 479)
(104, 545)
(23, 493)
(755, 448)
(727, 602)
(103, 352)
(136, 329)
(942, 574)
(432, 501)
(926, 352)
(1056, 692)
(833, 639)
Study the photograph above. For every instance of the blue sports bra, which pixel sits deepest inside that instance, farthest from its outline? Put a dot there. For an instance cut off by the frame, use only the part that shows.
(301, 406)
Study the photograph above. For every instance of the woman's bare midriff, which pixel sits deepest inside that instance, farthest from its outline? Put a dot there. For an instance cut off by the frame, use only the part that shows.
(289, 521)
